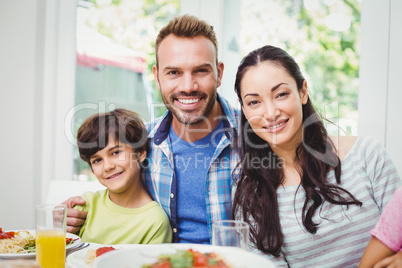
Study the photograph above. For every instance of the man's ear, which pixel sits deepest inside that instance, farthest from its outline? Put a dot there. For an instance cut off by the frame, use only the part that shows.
(156, 76)
(220, 68)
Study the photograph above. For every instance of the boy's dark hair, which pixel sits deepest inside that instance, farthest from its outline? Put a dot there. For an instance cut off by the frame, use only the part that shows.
(121, 124)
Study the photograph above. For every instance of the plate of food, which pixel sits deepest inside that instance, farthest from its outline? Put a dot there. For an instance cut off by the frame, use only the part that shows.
(21, 243)
(182, 255)
(84, 258)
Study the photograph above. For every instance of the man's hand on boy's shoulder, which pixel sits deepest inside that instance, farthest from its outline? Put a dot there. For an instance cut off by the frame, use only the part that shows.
(75, 217)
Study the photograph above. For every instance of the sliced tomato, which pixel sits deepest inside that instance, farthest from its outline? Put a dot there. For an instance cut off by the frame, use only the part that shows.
(68, 240)
(222, 264)
(200, 260)
(103, 250)
(162, 265)
(6, 235)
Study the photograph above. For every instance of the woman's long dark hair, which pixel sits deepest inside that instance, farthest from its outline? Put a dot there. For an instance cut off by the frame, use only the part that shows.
(256, 197)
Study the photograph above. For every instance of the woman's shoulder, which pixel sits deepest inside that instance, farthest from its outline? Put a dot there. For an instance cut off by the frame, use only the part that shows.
(343, 144)
(362, 145)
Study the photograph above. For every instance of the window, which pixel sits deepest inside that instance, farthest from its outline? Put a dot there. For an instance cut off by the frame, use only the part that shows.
(115, 42)
(114, 60)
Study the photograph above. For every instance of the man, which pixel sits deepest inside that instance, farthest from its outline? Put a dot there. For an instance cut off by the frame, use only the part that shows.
(191, 156)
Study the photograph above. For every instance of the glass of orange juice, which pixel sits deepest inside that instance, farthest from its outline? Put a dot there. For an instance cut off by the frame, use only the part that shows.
(51, 235)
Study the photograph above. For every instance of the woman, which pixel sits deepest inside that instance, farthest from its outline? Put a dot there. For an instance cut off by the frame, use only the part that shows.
(310, 199)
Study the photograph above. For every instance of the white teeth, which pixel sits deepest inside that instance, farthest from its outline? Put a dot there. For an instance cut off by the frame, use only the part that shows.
(276, 126)
(114, 175)
(188, 101)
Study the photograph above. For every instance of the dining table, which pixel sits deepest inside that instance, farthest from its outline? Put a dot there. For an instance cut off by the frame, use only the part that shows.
(137, 255)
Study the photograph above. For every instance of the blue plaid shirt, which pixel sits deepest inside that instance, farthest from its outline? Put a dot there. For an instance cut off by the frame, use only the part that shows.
(161, 180)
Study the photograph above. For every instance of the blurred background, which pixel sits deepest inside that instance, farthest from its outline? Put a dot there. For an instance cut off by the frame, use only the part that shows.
(62, 61)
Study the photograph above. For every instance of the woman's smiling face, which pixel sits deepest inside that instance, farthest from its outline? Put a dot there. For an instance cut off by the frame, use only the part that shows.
(272, 104)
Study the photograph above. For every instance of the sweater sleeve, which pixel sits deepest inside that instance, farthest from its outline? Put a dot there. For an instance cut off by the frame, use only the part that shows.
(389, 227)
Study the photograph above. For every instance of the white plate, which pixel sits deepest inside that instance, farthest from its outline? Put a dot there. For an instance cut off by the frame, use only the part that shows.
(148, 254)
(33, 254)
(77, 258)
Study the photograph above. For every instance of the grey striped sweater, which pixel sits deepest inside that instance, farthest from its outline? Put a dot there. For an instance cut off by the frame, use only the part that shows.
(343, 233)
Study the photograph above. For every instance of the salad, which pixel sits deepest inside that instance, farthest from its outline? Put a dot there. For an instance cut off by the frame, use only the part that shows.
(189, 259)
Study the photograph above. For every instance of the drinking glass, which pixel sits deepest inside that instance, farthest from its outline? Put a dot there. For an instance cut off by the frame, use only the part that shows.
(51, 223)
(230, 233)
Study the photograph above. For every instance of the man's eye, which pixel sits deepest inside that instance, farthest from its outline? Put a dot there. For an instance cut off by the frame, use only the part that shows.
(172, 73)
(204, 70)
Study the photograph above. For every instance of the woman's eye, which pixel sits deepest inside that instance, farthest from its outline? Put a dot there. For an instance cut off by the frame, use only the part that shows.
(283, 94)
(251, 103)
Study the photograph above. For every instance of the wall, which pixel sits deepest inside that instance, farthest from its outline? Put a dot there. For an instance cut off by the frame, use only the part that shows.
(380, 94)
(20, 109)
(36, 75)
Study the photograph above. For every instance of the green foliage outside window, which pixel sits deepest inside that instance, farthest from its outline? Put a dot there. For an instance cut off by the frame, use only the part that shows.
(134, 24)
(329, 58)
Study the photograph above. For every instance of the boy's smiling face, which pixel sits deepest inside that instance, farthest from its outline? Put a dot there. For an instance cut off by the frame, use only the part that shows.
(117, 166)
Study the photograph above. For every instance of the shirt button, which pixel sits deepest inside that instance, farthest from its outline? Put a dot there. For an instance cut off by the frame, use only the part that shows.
(171, 195)
(174, 230)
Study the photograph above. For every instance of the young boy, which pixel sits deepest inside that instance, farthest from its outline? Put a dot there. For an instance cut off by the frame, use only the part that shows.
(115, 146)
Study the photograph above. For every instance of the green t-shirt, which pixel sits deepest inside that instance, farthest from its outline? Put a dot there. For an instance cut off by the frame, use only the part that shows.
(108, 223)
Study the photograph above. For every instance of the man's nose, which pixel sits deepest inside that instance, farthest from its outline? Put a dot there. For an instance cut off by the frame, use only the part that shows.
(188, 83)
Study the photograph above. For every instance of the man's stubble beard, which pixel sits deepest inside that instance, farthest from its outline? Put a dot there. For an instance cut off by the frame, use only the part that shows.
(187, 118)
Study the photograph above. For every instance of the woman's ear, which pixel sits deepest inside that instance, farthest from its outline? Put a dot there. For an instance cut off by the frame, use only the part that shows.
(304, 93)
(242, 108)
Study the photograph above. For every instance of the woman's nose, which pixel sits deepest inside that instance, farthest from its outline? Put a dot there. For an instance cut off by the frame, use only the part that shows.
(271, 112)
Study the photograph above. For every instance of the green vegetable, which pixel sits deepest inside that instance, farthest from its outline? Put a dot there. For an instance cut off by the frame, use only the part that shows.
(182, 259)
(30, 247)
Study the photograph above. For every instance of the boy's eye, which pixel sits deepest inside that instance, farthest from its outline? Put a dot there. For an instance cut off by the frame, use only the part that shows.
(116, 152)
(95, 161)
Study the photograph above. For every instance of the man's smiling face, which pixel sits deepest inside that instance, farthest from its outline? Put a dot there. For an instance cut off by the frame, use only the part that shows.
(188, 76)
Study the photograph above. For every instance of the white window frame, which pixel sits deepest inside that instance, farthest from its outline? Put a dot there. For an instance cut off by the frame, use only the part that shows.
(380, 95)
(58, 91)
